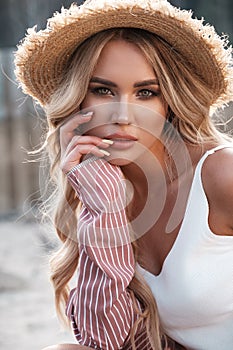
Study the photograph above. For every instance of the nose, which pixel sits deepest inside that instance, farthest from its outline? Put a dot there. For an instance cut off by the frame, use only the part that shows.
(122, 113)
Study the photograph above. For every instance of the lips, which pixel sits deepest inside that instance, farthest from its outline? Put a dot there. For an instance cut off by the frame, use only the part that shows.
(121, 137)
(121, 140)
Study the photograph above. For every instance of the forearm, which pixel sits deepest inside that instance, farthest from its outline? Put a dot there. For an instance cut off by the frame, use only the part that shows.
(104, 309)
(103, 228)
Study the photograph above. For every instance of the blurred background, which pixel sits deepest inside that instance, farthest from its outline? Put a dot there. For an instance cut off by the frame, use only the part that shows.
(25, 244)
(20, 125)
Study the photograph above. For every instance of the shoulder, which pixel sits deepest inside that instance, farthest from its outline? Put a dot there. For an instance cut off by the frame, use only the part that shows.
(217, 178)
(218, 168)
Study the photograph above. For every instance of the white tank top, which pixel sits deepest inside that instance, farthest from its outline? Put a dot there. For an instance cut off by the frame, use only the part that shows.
(194, 291)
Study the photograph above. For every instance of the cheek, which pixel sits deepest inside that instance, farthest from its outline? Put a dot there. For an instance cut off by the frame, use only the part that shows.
(151, 121)
(87, 102)
(102, 115)
(149, 139)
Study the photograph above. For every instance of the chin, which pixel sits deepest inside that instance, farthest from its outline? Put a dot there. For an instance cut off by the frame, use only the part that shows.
(119, 161)
(125, 157)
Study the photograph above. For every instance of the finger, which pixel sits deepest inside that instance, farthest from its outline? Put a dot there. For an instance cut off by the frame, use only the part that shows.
(74, 156)
(69, 128)
(89, 140)
(73, 121)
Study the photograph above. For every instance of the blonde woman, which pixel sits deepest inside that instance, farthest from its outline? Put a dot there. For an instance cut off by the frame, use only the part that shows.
(144, 184)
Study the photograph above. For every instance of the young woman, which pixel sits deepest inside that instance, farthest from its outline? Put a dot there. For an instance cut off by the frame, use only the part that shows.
(144, 183)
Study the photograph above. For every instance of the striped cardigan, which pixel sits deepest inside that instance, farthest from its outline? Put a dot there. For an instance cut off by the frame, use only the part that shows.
(100, 307)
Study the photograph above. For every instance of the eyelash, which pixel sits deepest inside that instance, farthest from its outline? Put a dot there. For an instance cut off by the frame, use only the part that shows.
(97, 91)
(152, 93)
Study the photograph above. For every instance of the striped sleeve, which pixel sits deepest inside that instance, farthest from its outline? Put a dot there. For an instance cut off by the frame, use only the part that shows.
(100, 306)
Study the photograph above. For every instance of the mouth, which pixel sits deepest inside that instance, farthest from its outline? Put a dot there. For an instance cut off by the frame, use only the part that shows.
(121, 141)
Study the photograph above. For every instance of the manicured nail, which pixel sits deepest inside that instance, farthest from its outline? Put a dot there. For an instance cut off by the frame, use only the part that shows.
(104, 152)
(87, 114)
(110, 142)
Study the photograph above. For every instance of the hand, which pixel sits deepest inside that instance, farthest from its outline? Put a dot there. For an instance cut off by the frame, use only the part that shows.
(74, 145)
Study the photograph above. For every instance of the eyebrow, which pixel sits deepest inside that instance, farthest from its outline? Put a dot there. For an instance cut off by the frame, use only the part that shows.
(147, 82)
(137, 84)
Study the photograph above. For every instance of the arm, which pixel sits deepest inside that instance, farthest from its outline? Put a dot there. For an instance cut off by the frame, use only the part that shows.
(102, 305)
(217, 177)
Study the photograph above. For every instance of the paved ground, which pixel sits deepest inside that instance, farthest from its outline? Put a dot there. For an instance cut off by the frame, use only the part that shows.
(27, 316)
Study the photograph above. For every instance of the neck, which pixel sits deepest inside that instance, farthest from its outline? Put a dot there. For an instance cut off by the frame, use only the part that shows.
(154, 175)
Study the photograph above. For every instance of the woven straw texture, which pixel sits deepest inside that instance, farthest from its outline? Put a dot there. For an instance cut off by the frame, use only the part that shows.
(42, 56)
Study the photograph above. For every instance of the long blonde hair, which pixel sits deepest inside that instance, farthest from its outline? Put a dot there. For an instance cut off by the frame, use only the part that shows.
(189, 100)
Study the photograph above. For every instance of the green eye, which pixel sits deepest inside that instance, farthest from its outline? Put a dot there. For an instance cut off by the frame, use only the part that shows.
(104, 91)
(101, 91)
(145, 93)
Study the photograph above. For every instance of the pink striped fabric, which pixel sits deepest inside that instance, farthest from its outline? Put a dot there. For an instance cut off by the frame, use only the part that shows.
(100, 307)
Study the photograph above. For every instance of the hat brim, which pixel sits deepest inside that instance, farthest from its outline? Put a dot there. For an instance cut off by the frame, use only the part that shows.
(50, 50)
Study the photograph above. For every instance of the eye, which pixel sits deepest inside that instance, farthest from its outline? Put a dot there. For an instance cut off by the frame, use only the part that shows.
(146, 93)
(101, 91)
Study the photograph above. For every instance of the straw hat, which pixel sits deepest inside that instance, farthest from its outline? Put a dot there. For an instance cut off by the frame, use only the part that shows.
(42, 56)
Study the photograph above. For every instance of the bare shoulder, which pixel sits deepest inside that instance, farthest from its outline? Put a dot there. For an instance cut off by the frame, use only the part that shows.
(217, 171)
(217, 178)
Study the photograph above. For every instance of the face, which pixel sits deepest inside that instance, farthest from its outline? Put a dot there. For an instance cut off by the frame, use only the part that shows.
(128, 107)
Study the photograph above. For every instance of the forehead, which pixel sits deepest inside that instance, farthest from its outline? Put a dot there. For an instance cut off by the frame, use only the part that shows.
(120, 57)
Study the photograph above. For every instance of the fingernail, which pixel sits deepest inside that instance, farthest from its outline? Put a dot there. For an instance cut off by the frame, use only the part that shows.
(104, 152)
(110, 142)
(87, 114)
